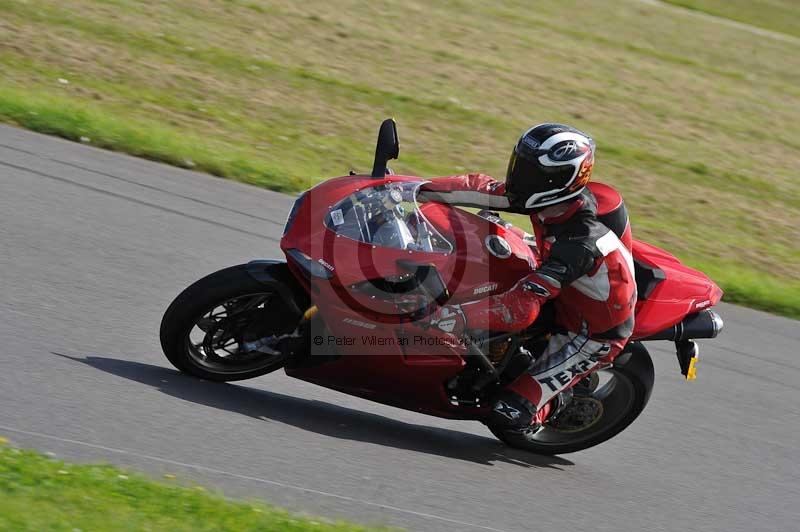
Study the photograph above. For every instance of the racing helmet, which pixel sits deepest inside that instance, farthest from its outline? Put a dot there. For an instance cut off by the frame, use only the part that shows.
(550, 163)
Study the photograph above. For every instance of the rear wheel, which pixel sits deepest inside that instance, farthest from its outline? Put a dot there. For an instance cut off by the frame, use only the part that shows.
(602, 406)
(228, 326)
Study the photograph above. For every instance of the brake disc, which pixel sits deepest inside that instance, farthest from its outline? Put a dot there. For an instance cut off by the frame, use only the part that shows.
(580, 414)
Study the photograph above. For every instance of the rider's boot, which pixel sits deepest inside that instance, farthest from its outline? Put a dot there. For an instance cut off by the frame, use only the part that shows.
(512, 412)
(514, 407)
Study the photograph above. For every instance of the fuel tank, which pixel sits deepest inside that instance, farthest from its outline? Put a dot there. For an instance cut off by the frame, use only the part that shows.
(488, 258)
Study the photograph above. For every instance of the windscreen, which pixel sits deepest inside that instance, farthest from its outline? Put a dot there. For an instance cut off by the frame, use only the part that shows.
(388, 216)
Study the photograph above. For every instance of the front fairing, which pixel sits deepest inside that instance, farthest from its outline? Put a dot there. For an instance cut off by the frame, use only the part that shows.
(329, 228)
(459, 237)
(407, 366)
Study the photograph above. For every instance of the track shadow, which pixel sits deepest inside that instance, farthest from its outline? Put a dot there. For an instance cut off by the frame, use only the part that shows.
(321, 417)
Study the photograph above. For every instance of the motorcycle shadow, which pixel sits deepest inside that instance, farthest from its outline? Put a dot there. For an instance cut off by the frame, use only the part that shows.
(321, 417)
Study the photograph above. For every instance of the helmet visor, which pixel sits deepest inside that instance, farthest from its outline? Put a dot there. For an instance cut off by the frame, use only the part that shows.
(528, 176)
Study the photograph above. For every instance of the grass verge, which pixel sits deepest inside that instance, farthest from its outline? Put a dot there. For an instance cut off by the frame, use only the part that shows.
(55, 115)
(40, 494)
(697, 122)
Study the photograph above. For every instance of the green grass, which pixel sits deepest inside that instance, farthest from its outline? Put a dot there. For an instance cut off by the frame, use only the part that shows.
(38, 494)
(777, 15)
(697, 122)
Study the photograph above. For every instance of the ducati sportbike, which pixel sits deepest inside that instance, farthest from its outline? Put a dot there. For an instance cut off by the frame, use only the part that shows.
(366, 263)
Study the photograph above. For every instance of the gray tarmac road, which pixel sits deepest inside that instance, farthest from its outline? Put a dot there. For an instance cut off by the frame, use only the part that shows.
(93, 247)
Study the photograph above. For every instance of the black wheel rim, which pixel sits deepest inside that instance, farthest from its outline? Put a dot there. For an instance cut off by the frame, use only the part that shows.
(239, 335)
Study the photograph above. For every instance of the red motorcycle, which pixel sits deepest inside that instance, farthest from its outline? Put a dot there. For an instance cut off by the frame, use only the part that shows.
(366, 263)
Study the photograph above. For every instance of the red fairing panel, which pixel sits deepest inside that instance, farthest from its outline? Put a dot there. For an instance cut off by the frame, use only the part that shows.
(407, 369)
(684, 291)
(474, 273)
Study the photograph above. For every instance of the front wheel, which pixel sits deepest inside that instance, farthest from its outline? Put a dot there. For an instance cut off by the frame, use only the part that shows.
(612, 400)
(228, 326)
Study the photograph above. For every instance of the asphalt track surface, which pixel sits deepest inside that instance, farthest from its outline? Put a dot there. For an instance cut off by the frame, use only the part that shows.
(93, 247)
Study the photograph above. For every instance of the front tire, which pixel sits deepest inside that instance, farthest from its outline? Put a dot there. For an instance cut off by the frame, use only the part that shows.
(226, 326)
(615, 402)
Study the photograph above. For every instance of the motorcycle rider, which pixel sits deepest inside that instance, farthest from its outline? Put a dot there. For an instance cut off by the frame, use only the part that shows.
(585, 268)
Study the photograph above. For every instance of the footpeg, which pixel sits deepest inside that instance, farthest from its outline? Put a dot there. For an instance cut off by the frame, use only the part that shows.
(688, 355)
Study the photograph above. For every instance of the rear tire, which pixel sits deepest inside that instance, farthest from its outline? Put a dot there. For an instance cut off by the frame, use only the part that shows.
(630, 381)
(199, 301)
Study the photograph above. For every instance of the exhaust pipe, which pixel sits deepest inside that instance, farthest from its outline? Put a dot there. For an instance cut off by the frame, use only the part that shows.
(703, 324)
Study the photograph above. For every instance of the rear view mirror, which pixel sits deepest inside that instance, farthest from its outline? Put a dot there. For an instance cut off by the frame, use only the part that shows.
(428, 279)
(388, 147)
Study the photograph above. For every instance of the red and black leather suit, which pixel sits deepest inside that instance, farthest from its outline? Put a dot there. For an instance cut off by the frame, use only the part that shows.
(586, 267)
